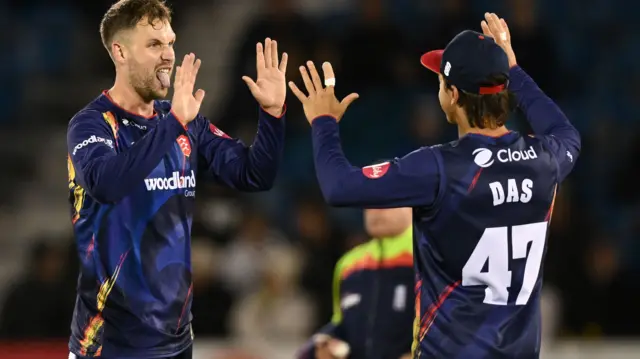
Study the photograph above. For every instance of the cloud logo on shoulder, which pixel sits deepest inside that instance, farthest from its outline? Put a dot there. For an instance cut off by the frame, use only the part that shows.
(90, 140)
(176, 181)
(483, 156)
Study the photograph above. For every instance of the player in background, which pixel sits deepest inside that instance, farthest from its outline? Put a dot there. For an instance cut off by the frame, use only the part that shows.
(373, 302)
(481, 204)
(133, 163)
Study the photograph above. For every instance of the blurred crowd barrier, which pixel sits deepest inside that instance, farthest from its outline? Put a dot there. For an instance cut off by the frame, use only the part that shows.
(213, 349)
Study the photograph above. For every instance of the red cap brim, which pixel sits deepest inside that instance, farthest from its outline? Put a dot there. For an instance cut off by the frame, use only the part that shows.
(432, 60)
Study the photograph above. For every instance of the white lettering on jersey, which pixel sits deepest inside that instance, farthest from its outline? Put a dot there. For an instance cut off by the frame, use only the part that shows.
(514, 156)
(90, 140)
(515, 193)
(527, 242)
(176, 181)
(128, 123)
(483, 156)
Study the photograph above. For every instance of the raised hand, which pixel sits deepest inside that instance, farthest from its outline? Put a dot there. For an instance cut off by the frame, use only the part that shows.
(270, 88)
(497, 28)
(321, 100)
(185, 105)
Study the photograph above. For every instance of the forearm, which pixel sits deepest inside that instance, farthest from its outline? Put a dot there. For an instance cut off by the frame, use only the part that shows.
(405, 182)
(110, 177)
(545, 117)
(264, 155)
(332, 167)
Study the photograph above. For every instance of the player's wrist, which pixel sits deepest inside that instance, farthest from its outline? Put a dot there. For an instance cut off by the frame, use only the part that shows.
(275, 111)
(180, 119)
(325, 117)
(511, 57)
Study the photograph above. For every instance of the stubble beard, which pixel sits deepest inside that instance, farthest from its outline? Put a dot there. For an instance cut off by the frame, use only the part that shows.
(144, 82)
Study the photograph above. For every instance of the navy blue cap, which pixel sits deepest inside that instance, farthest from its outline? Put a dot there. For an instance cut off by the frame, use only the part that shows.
(469, 60)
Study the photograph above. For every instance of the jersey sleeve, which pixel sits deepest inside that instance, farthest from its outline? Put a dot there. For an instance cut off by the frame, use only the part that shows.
(410, 181)
(230, 162)
(547, 120)
(106, 174)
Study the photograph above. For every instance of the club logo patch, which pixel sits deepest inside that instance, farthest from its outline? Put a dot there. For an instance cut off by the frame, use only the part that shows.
(377, 170)
(218, 132)
(185, 145)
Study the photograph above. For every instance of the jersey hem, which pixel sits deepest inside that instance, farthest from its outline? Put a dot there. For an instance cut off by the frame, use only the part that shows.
(137, 356)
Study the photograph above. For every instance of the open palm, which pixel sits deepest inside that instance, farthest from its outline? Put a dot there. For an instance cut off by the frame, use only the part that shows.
(270, 88)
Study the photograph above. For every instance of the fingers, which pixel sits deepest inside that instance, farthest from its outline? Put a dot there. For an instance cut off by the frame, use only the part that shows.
(495, 26)
(189, 72)
(506, 28)
(274, 53)
(314, 76)
(283, 62)
(296, 91)
(329, 75)
(177, 81)
(260, 61)
(348, 100)
(186, 73)
(502, 33)
(199, 96)
(268, 59)
(485, 28)
(196, 68)
(307, 81)
(253, 87)
(187, 66)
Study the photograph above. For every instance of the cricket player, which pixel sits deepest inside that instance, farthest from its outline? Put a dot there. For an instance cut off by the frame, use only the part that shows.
(373, 300)
(481, 204)
(133, 164)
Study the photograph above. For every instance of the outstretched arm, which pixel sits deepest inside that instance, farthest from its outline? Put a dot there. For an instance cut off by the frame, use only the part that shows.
(413, 180)
(410, 181)
(229, 161)
(251, 168)
(546, 119)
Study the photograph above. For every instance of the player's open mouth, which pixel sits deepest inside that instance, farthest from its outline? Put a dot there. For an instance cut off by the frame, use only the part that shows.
(163, 76)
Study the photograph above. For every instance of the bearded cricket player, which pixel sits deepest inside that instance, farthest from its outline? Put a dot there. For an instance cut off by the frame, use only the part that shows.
(133, 161)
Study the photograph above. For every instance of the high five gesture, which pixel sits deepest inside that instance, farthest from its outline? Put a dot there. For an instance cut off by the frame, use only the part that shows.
(185, 105)
(321, 100)
(496, 27)
(270, 88)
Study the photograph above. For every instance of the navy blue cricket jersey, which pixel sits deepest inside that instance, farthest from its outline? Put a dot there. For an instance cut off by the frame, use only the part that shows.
(482, 207)
(132, 184)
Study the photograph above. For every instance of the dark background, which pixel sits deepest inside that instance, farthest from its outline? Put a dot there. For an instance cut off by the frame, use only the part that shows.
(582, 53)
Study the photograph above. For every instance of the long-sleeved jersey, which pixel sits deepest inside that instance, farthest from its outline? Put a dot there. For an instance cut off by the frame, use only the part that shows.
(482, 207)
(373, 301)
(132, 185)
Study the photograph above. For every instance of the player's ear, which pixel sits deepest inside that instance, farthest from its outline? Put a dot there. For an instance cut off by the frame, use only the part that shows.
(118, 52)
(455, 95)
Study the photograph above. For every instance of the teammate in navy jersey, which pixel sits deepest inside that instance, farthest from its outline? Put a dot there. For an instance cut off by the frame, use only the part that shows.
(133, 163)
(481, 204)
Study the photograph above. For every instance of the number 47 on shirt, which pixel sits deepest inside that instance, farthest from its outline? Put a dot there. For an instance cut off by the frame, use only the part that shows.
(493, 247)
